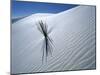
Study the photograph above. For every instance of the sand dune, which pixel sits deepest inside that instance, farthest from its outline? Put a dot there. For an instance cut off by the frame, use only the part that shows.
(72, 32)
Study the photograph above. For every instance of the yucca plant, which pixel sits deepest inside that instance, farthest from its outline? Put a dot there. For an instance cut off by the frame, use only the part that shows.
(48, 42)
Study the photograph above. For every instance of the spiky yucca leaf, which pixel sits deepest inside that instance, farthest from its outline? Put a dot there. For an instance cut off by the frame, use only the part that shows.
(48, 42)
